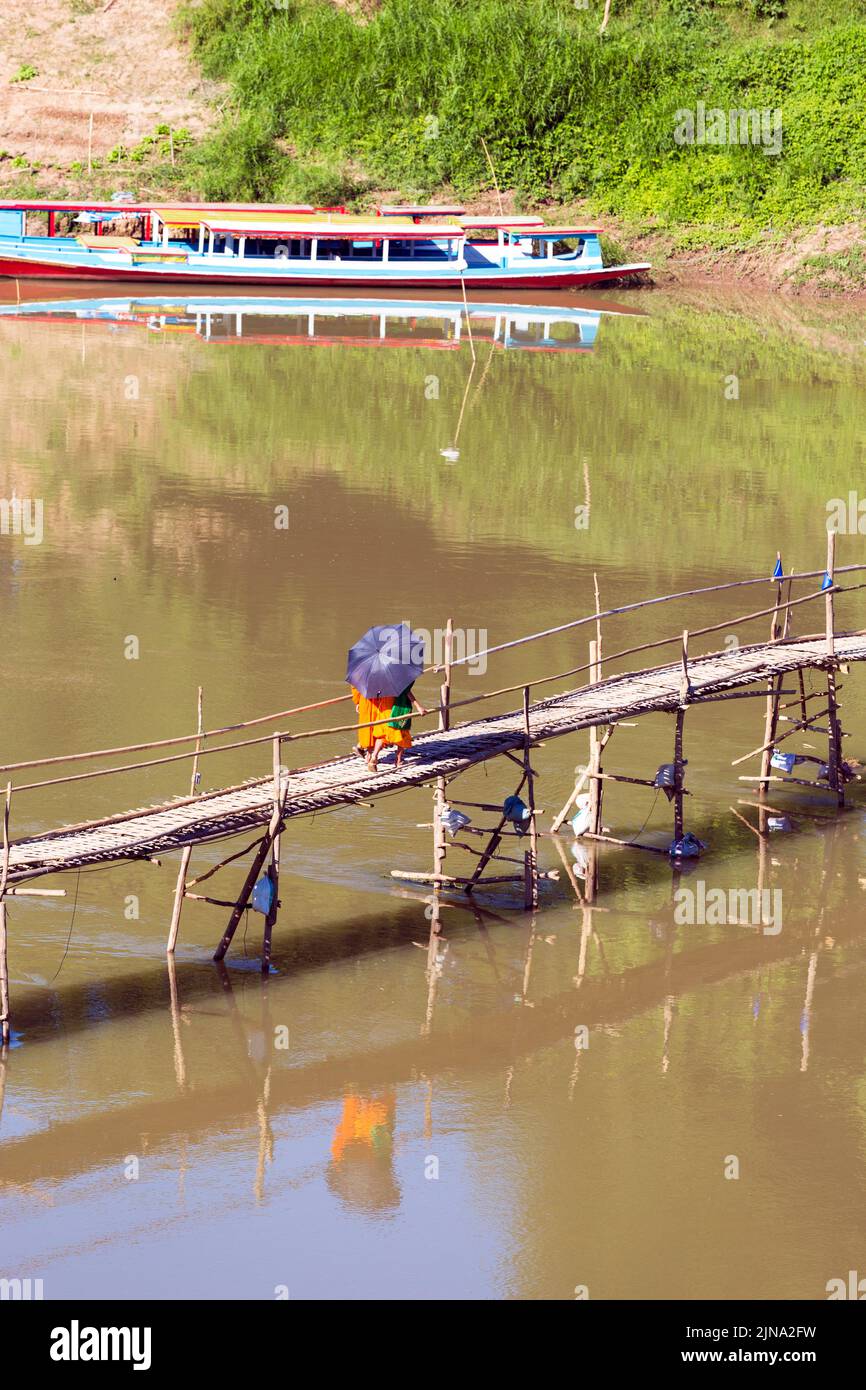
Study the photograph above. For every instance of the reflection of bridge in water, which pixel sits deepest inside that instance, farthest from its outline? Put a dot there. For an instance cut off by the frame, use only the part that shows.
(268, 804)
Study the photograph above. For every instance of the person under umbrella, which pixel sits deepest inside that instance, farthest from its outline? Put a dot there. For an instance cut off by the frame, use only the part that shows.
(381, 670)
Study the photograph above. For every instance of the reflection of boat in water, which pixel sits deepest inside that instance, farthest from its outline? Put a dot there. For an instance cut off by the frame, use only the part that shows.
(336, 322)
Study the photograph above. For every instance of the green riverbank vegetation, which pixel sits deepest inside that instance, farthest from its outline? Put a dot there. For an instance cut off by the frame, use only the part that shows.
(334, 103)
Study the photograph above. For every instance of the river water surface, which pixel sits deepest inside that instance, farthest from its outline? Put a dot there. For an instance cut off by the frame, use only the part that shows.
(228, 499)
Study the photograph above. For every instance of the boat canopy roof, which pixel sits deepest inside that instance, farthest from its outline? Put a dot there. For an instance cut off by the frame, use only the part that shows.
(161, 209)
(482, 221)
(336, 228)
(542, 233)
(420, 210)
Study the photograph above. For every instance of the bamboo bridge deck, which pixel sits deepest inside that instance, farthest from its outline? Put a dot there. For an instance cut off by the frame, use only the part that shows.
(344, 781)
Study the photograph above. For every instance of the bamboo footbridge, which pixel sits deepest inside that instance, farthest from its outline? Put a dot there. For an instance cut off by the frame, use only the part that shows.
(266, 804)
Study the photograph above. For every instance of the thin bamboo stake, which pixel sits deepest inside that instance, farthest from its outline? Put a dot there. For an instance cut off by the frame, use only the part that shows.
(186, 852)
(440, 848)
(4, 962)
(493, 172)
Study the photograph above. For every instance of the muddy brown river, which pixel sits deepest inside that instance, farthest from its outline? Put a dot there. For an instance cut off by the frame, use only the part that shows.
(606, 1100)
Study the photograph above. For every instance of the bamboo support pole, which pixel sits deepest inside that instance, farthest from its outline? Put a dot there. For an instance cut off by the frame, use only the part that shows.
(579, 785)
(460, 881)
(186, 852)
(16, 892)
(492, 846)
(265, 846)
(177, 1035)
(835, 772)
(791, 782)
(625, 844)
(274, 869)
(530, 887)
(4, 961)
(248, 885)
(450, 879)
(798, 726)
(230, 859)
(678, 773)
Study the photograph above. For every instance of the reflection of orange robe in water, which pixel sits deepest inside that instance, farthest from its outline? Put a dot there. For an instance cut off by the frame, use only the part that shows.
(379, 709)
(365, 1120)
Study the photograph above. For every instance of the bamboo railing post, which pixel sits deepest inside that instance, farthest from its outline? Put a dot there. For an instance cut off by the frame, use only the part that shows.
(530, 858)
(774, 685)
(679, 768)
(440, 849)
(595, 782)
(835, 776)
(186, 853)
(274, 869)
(4, 962)
(828, 600)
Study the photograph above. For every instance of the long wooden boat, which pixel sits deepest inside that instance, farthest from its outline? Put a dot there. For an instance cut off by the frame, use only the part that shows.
(276, 246)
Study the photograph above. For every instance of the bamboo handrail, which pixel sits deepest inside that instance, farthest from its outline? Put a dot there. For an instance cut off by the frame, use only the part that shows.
(288, 737)
(458, 661)
(642, 603)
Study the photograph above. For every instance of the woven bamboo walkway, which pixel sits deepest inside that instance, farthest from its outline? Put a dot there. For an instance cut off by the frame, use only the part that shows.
(152, 830)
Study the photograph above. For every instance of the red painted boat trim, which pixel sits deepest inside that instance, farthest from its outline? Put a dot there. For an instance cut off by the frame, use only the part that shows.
(35, 270)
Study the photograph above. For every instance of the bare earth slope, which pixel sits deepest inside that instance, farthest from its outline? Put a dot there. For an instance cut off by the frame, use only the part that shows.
(118, 59)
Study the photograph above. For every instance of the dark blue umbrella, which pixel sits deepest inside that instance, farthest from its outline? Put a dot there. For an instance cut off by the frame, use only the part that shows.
(386, 660)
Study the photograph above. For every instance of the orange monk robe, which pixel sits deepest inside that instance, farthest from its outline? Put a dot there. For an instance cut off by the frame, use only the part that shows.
(378, 709)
